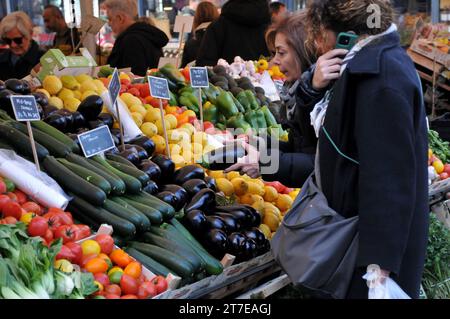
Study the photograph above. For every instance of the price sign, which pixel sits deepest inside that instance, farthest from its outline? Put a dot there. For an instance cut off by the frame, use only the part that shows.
(199, 77)
(96, 141)
(159, 88)
(114, 86)
(25, 108)
(183, 24)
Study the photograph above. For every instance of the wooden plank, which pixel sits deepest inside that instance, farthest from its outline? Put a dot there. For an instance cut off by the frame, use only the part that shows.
(267, 289)
(424, 61)
(429, 78)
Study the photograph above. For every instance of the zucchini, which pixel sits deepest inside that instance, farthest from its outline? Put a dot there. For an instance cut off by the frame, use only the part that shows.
(155, 216)
(174, 246)
(132, 171)
(151, 264)
(139, 220)
(166, 210)
(122, 227)
(6, 146)
(117, 185)
(72, 182)
(87, 175)
(21, 142)
(55, 147)
(212, 265)
(133, 185)
(119, 159)
(82, 218)
(57, 134)
(169, 259)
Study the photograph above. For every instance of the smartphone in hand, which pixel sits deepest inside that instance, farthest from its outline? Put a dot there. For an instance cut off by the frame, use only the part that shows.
(346, 40)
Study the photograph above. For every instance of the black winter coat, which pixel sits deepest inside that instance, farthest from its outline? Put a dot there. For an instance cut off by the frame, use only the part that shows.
(192, 47)
(139, 47)
(239, 31)
(377, 116)
(23, 66)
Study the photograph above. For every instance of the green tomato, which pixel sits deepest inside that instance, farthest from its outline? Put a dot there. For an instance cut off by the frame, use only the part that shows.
(115, 277)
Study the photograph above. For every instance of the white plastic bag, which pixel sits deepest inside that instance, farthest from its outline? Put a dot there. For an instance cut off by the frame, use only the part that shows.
(381, 287)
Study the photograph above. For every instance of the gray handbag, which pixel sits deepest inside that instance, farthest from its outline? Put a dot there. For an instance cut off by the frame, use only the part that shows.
(316, 246)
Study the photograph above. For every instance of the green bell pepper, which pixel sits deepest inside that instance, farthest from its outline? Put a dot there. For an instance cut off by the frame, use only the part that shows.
(238, 121)
(270, 119)
(252, 100)
(172, 73)
(173, 99)
(250, 117)
(237, 103)
(210, 113)
(211, 92)
(226, 104)
(243, 99)
(260, 118)
(190, 101)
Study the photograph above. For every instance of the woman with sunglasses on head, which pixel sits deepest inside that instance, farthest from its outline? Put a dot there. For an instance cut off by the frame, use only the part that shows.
(16, 30)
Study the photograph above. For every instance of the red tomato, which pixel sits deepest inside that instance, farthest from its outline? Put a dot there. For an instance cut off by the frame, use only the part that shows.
(443, 175)
(53, 222)
(12, 196)
(21, 196)
(76, 251)
(82, 231)
(106, 243)
(129, 297)
(48, 236)
(113, 289)
(66, 232)
(160, 283)
(32, 207)
(10, 220)
(38, 226)
(134, 91)
(128, 285)
(147, 290)
(2, 187)
(3, 200)
(12, 209)
(447, 168)
(125, 82)
(86, 258)
(102, 278)
(208, 125)
(112, 296)
(65, 253)
(144, 90)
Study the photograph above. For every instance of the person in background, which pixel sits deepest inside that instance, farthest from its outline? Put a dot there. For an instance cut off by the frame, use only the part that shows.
(190, 9)
(138, 45)
(66, 39)
(16, 30)
(239, 31)
(373, 142)
(205, 14)
(277, 11)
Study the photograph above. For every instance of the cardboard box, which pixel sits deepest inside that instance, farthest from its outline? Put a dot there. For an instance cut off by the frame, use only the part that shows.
(432, 41)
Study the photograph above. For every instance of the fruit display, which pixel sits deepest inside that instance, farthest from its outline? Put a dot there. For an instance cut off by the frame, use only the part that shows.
(438, 158)
(251, 69)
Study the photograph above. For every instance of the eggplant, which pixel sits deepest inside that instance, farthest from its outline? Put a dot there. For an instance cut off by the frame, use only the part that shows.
(169, 198)
(94, 124)
(222, 158)
(69, 119)
(249, 250)
(5, 102)
(264, 248)
(40, 110)
(235, 241)
(255, 234)
(205, 200)
(14, 85)
(141, 152)
(211, 183)
(40, 98)
(116, 133)
(151, 188)
(179, 192)
(230, 221)
(166, 165)
(49, 110)
(196, 222)
(188, 172)
(58, 121)
(107, 119)
(243, 216)
(216, 242)
(144, 142)
(91, 107)
(151, 169)
(216, 222)
(78, 120)
(131, 156)
(193, 186)
(2, 85)
(26, 89)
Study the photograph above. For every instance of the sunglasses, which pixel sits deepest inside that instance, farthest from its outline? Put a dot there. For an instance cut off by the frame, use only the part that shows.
(17, 41)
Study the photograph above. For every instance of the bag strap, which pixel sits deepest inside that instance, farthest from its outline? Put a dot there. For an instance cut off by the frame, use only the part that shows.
(337, 148)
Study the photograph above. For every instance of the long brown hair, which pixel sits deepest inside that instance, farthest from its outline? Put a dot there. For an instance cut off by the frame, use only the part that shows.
(293, 28)
(206, 12)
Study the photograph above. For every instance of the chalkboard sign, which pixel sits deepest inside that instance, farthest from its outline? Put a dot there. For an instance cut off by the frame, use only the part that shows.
(199, 77)
(158, 88)
(25, 108)
(114, 86)
(96, 141)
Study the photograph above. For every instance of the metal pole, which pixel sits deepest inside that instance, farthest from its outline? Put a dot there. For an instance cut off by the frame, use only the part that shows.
(8, 6)
(435, 11)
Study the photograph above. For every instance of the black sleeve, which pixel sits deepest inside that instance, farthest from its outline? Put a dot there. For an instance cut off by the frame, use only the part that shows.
(306, 95)
(208, 54)
(133, 53)
(384, 133)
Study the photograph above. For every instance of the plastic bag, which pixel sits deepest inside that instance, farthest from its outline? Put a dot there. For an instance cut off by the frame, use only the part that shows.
(381, 287)
(35, 184)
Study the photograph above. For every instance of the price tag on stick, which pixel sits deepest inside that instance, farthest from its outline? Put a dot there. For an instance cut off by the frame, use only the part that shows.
(114, 89)
(96, 141)
(159, 88)
(183, 24)
(26, 110)
(199, 79)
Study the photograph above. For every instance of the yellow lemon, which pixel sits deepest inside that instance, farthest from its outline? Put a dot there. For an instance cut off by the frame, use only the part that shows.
(159, 125)
(160, 144)
(259, 182)
(172, 120)
(149, 129)
(233, 174)
(82, 77)
(188, 156)
(254, 188)
(178, 160)
(88, 85)
(52, 84)
(270, 194)
(216, 174)
(240, 186)
(56, 101)
(124, 76)
(225, 186)
(139, 108)
(69, 82)
(175, 149)
(189, 127)
(138, 118)
(87, 93)
(200, 137)
(152, 115)
(77, 94)
(284, 201)
(189, 113)
(100, 86)
(265, 230)
(246, 199)
(44, 91)
(65, 94)
(272, 222)
(71, 104)
(269, 207)
(197, 148)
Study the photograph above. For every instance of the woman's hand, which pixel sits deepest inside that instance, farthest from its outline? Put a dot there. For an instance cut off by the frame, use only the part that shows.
(328, 68)
(248, 164)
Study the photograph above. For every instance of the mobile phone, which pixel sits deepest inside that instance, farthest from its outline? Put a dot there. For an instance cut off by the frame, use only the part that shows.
(346, 40)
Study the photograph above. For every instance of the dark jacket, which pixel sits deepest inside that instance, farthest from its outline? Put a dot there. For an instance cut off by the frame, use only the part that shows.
(239, 31)
(377, 116)
(23, 66)
(192, 47)
(139, 47)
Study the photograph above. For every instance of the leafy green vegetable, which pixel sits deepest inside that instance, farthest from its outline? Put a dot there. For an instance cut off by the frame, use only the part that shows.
(440, 148)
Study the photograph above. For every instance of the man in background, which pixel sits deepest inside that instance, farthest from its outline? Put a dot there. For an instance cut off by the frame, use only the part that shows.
(277, 11)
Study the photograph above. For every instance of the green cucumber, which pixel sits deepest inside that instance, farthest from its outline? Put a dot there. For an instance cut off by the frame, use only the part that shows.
(54, 146)
(169, 259)
(119, 159)
(133, 185)
(122, 227)
(87, 175)
(151, 264)
(139, 220)
(132, 171)
(117, 185)
(166, 210)
(155, 216)
(21, 142)
(57, 134)
(72, 182)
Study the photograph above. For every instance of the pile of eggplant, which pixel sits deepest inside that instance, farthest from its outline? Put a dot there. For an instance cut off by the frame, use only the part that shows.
(14, 87)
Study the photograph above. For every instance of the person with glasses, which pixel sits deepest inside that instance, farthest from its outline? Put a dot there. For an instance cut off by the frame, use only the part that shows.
(23, 55)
